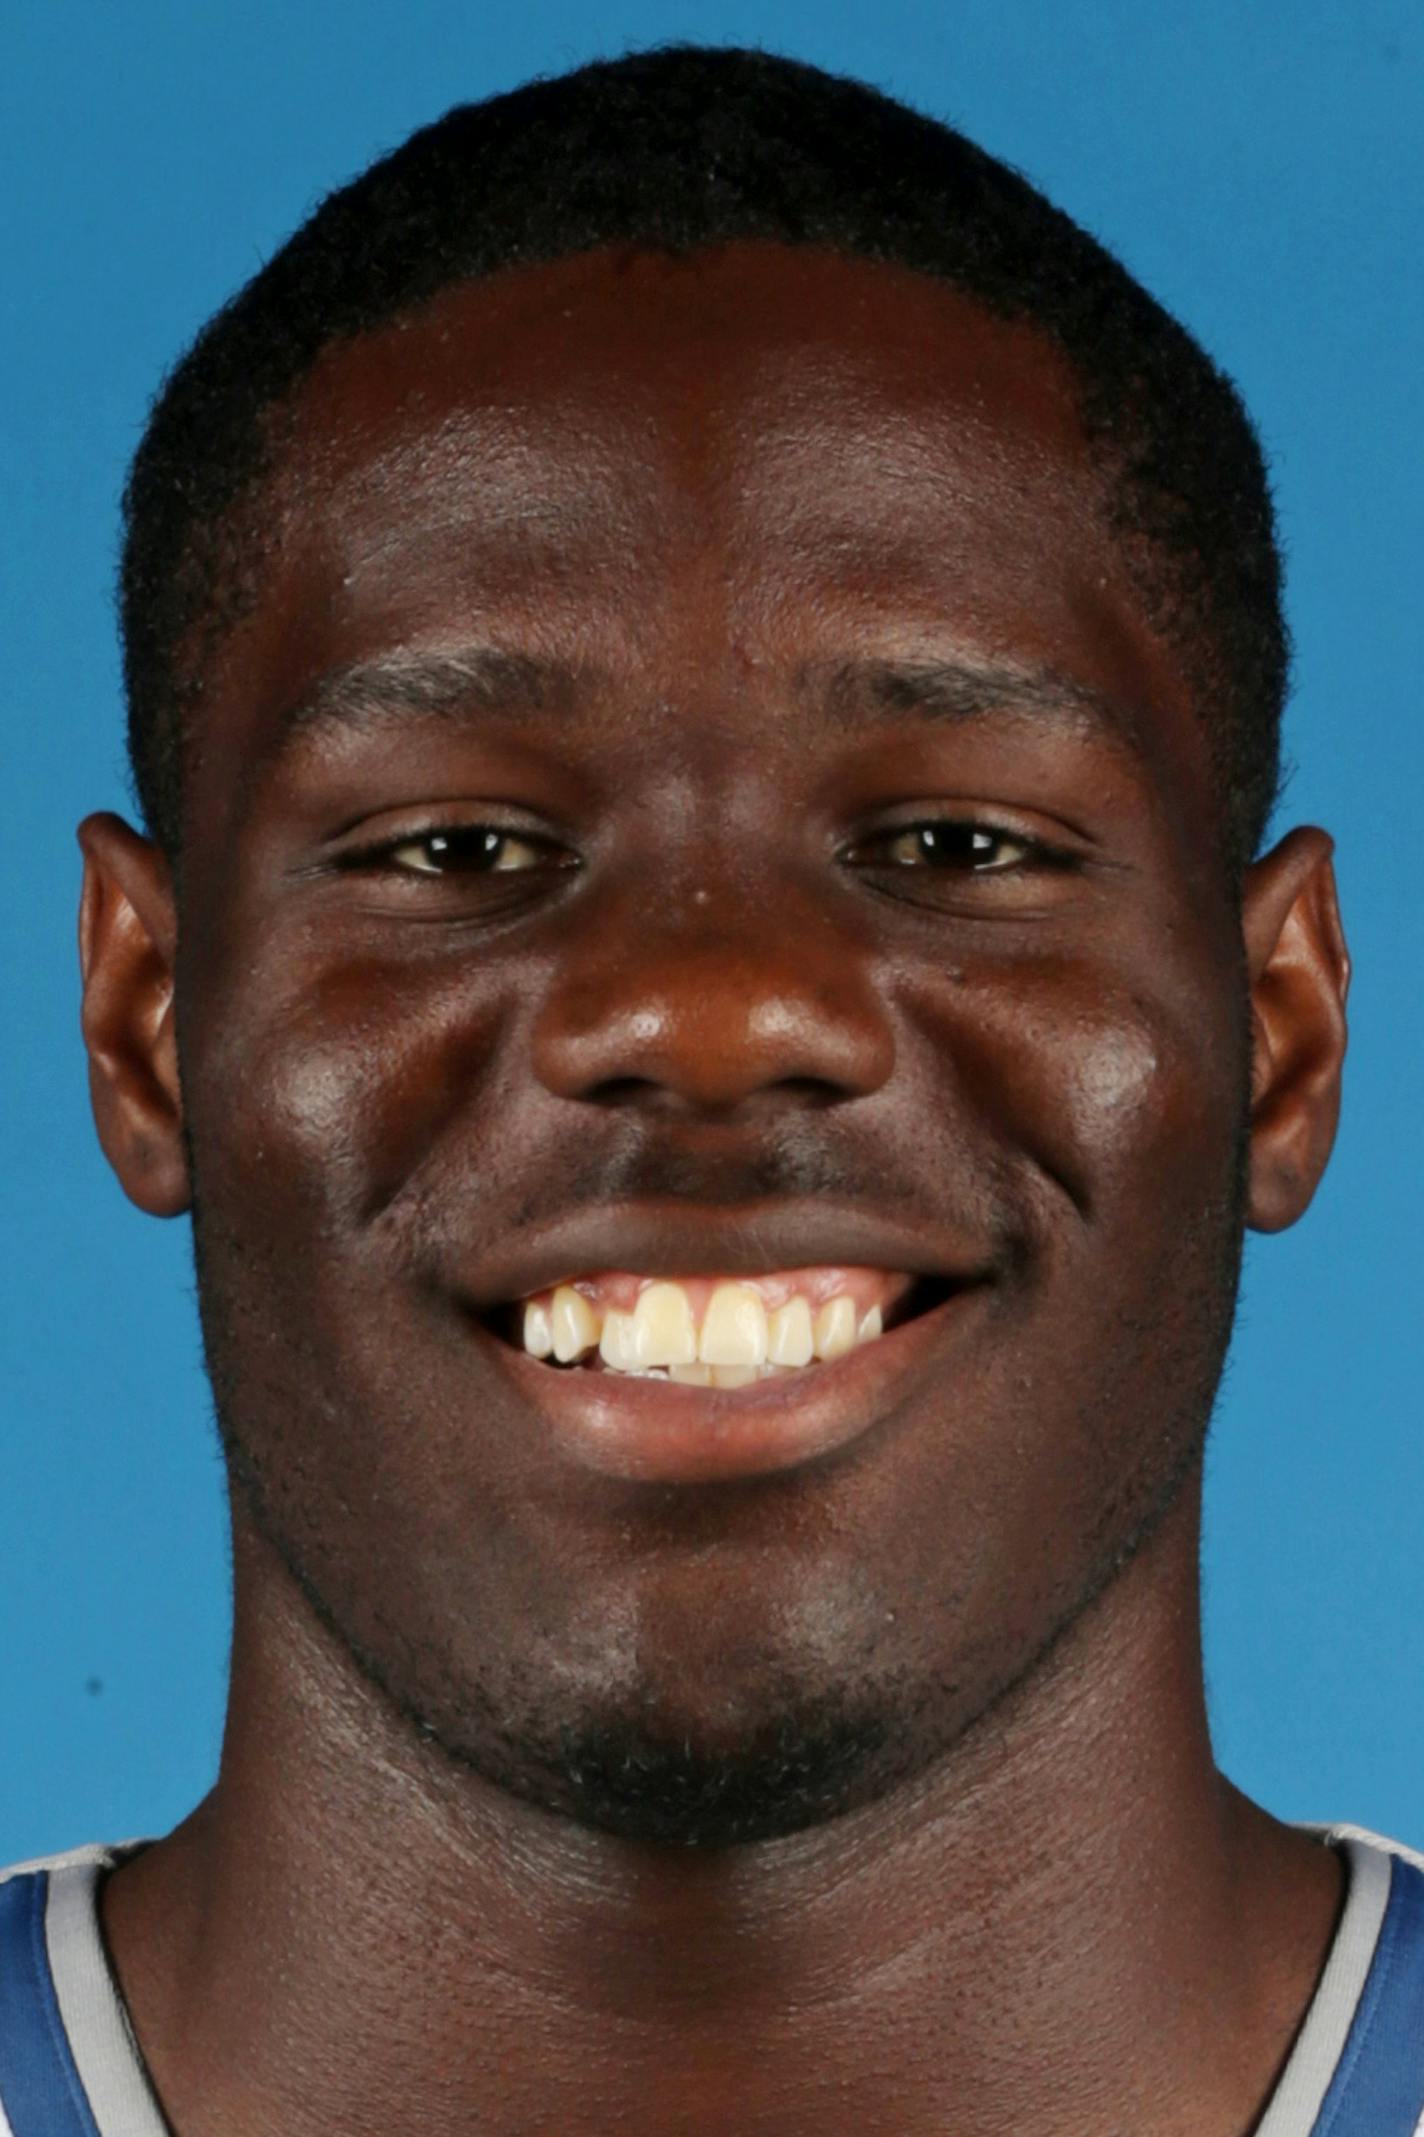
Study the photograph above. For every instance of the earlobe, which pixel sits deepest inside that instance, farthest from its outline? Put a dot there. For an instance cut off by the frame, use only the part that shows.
(128, 934)
(1299, 972)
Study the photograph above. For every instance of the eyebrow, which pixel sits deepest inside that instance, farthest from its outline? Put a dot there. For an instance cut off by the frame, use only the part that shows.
(461, 682)
(369, 695)
(961, 688)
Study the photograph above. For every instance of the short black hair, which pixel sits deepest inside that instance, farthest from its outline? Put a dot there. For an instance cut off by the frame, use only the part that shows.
(672, 149)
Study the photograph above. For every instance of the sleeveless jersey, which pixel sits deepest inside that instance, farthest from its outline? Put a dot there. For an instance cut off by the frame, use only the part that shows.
(70, 2067)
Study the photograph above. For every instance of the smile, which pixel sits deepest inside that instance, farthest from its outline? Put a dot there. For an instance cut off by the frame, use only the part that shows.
(704, 1332)
(697, 1380)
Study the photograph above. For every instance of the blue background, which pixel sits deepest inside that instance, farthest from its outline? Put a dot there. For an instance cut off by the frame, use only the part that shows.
(1261, 168)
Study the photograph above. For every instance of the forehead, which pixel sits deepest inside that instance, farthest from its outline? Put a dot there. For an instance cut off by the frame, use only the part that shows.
(678, 468)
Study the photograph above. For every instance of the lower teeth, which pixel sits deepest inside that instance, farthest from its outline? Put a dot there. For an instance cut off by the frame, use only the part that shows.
(660, 1372)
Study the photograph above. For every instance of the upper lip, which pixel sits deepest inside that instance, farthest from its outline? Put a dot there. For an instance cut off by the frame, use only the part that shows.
(681, 1241)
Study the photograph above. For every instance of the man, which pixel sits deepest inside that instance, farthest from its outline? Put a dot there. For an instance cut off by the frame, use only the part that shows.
(705, 674)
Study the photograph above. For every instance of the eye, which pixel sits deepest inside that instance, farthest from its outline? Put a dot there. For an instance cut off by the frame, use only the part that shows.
(951, 844)
(460, 850)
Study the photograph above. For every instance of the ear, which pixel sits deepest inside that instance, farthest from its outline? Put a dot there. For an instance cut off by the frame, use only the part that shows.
(128, 938)
(1299, 970)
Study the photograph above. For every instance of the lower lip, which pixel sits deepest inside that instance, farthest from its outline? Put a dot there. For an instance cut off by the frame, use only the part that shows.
(656, 1432)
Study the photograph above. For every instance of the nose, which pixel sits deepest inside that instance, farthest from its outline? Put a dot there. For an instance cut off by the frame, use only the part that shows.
(706, 1001)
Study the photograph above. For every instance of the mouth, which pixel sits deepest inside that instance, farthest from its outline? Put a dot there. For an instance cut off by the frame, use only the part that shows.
(705, 1332)
(697, 1380)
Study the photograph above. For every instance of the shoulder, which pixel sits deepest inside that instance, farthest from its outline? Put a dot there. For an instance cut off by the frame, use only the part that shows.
(45, 1900)
(28, 1892)
(1359, 2060)
(68, 2063)
(46, 1906)
(1362, 1836)
(92, 1858)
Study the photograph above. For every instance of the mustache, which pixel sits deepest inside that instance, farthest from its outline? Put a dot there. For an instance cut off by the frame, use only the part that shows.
(643, 1162)
(669, 1171)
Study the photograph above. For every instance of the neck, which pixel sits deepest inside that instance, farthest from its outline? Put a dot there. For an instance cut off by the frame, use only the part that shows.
(1068, 1922)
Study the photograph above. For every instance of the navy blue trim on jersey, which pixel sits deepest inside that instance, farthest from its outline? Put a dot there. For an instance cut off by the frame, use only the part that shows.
(1378, 2086)
(39, 2084)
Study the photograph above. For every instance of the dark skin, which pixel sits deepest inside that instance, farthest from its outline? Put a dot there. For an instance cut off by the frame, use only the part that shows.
(709, 991)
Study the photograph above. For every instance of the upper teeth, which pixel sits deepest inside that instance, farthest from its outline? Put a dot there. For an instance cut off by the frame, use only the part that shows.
(738, 1334)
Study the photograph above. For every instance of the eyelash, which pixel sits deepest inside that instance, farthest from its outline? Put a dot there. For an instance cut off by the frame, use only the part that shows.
(1032, 852)
(387, 849)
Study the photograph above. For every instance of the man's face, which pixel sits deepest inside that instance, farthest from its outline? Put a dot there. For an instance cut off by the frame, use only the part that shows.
(706, 584)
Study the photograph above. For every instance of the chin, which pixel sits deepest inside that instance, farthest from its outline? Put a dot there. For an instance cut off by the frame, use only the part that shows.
(619, 1775)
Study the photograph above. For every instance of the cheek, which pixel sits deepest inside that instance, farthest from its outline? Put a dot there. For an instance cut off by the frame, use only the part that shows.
(1116, 1091)
(326, 1093)
(1118, 1069)
(1130, 1089)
